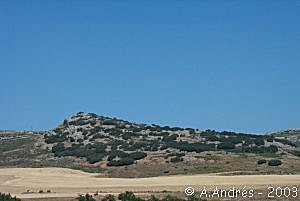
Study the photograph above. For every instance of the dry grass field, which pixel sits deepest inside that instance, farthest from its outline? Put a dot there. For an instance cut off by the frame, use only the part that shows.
(59, 182)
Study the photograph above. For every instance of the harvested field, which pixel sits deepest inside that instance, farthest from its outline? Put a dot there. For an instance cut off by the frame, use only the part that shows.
(60, 182)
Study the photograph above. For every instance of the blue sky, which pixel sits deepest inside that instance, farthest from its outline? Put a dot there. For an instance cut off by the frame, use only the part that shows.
(224, 65)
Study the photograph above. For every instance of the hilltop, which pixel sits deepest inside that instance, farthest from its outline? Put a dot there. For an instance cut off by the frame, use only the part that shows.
(121, 148)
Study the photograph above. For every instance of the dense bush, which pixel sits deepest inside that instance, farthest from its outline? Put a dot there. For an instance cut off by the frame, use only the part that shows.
(170, 138)
(259, 141)
(226, 145)
(212, 138)
(262, 161)
(116, 153)
(255, 149)
(8, 197)
(274, 162)
(127, 196)
(137, 155)
(121, 162)
(92, 152)
(191, 147)
(110, 122)
(94, 158)
(285, 141)
(50, 139)
(78, 122)
(109, 197)
(127, 136)
(56, 149)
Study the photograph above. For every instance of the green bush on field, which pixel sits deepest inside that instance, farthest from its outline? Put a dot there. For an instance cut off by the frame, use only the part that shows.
(191, 147)
(121, 162)
(95, 157)
(274, 162)
(50, 139)
(262, 161)
(58, 148)
(226, 145)
(270, 149)
(137, 155)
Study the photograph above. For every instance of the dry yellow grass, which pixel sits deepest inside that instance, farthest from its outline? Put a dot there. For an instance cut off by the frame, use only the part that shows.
(27, 182)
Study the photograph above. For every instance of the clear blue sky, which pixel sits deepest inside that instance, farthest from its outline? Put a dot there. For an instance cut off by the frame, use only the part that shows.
(224, 65)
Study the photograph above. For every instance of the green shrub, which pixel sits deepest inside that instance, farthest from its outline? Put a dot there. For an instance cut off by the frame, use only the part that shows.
(116, 153)
(128, 196)
(262, 161)
(191, 147)
(109, 197)
(56, 149)
(86, 197)
(137, 155)
(94, 158)
(274, 162)
(270, 149)
(226, 145)
(121, 162)
(50, 139)
(8, 197)
(170, 138)
(110, 122)
(259, 142)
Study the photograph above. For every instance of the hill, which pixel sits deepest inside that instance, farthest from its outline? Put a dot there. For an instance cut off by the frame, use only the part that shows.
(121, 148)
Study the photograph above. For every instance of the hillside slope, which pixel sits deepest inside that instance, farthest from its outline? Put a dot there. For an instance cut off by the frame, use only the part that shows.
(121, 148)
